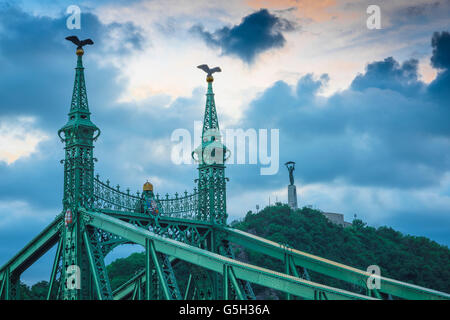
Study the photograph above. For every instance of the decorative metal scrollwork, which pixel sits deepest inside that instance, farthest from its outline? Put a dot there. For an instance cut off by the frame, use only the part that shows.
(185, 206)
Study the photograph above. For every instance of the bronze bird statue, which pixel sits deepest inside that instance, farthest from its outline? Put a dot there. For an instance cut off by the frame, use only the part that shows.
(209, 71)
(78, 43)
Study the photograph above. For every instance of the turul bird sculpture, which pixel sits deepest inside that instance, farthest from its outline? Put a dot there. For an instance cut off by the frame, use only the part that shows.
(209, 71)
(78, 43)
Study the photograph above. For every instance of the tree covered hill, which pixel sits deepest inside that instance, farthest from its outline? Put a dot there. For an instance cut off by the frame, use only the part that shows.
(412, 259)
(416, 260)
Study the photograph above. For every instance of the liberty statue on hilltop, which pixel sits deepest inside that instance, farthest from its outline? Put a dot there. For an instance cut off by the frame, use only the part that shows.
(290, 165)
(292, 190)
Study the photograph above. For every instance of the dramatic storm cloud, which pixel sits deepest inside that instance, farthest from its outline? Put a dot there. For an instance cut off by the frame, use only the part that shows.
(441, 49)
(389, 74)
(258, 32)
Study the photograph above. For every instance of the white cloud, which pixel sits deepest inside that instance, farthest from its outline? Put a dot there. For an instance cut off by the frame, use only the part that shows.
(374, 205)
(18, 138)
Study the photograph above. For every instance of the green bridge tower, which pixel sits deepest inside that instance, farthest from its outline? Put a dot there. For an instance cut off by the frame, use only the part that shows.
(211, 156)
(78, 134)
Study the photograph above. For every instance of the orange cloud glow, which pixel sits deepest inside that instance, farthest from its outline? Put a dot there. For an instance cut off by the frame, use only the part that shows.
(317, 10)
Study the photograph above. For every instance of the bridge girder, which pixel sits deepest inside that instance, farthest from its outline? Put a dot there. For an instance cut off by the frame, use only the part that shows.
(126, 232)
(215, 262)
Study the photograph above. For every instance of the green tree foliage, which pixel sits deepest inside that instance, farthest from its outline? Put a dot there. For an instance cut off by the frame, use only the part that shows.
(120, 270)
(38, 291)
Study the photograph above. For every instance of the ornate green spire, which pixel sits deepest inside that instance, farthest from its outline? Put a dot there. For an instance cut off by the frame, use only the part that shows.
(79, 135)
(211, 156)
(79, 109)
(210, 121)
(211, 151)
(79, 97)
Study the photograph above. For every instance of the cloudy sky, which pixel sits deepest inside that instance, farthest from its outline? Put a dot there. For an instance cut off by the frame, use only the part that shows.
(363, 112)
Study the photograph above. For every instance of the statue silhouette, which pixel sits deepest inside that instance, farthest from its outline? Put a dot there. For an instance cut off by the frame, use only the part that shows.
(290, 165)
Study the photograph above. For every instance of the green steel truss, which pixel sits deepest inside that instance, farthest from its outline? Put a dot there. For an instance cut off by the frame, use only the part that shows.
(189, 228)
(91, 237)
(243, 286)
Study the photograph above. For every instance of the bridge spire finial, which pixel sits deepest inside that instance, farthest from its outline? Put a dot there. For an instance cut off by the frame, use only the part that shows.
(79, 97)
(210, 121)
(79, 113)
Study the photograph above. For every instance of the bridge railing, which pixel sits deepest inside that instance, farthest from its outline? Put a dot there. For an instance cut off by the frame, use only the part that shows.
(109, 197)
(185, 206)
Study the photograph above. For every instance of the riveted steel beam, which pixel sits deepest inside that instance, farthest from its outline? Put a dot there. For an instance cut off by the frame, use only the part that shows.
(188, 287)
(55, 269)
(225, 281)
(2, 285)
(149, 245)
(235, 283)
